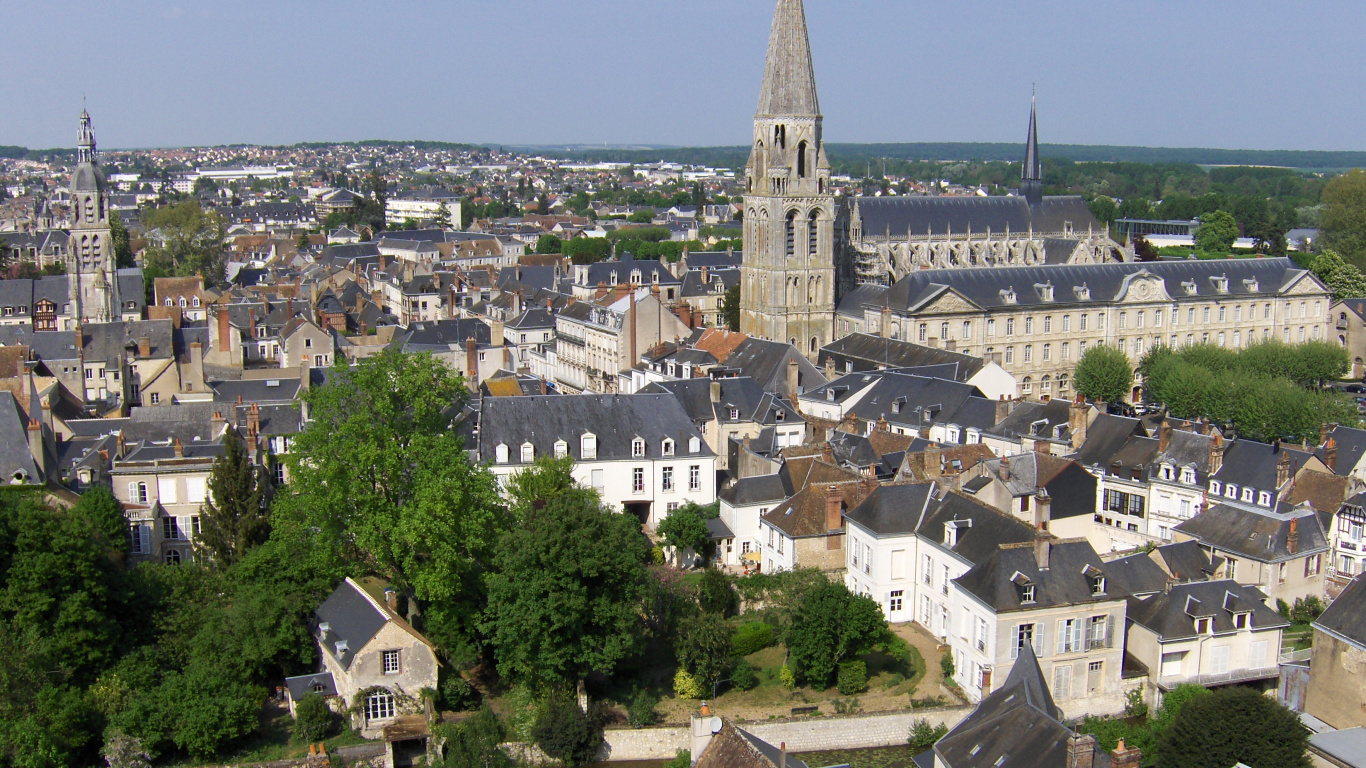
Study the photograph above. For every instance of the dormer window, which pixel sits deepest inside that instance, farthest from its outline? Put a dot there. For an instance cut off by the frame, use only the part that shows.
(1220, 283)
(1204, 626)
(1214, 487)
(734, 414)
(561, 449)
(1230, 491)
(694, 445)
(637, 448)
(1023, 587)
(1242, 620)
(1251, 285)
(780, 415)
(1247, 495)
(1097, 579)
(1190, 287)
(1264, 499)
(1082, 292)
(1165, 472)
(612, 278)
(528, 453)
(588, 446)
(500, 453)
(1188, 475)
(1008, 295)
(830, 395)
(635, 277)
(668, 447)
(1045, 290)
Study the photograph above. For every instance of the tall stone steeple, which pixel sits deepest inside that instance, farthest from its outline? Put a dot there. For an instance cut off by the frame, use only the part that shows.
(787, 289)
(92, 279)
(1031, 177)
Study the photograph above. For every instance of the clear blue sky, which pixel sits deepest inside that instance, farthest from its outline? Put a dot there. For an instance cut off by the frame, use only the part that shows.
(1209, 73)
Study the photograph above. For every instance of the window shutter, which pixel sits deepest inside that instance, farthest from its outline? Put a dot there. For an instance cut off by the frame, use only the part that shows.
(1076, 636)
(1014, 642)
(145, 531)
(133, 493)
(1039, 637)
(1062, 637)
(1110, 631)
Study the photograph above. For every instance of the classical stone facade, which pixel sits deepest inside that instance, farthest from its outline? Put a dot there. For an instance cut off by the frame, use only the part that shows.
(788, 276)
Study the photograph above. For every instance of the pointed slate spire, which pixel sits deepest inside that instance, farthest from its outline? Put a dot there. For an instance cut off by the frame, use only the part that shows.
(1031, 164)
(789, 76)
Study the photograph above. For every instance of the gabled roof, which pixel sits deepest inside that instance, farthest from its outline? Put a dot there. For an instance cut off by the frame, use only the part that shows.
(1169, 613)
(1346, 616)
(868, 352)
(731, 747)
(1063, 582)
(352, 617)
(757, 489)
(981, 529)
(893, 510)
(1017, 725)
(616, 421)
(1256, 533)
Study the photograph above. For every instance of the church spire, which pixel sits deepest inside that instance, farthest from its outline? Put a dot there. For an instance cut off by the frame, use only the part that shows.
(789, 76)
(85, 140)
(1031, 177)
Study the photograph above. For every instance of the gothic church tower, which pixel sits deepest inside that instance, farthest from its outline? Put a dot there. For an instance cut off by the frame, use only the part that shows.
(92, 278)
(787, 287)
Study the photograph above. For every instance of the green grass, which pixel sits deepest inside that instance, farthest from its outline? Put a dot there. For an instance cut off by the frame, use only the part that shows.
(885, 757)
(274, 740)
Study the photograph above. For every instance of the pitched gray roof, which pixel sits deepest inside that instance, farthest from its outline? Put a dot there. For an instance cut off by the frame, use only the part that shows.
(982, 529)
(15, 459)
(1017, 725)
(1064, 582)
(616, 420)
(1346, 617)
(893, 510)
(942, 216)
(1171, 614)
(1257, 533)
(302, 685)
(868, 352)
(757, 490)
(350, 618)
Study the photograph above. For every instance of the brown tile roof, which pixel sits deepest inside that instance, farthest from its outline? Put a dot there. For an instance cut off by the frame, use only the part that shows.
(505, 387)
(806, 470)
(720, 343)
(914, 467)
(883, 442)
(804, 514)
(733, 748)
(1323, 491)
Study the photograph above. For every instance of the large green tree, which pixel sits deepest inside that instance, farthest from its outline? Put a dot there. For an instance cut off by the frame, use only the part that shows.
(1343, 218)
(123, 251)
(381, 471)
(1103, 373)
(187, 240)
(567, 590)
(236, 516)
(1234, 725)
(704, 648)
(831, 625)
(1218, 230)
(732, 308)
(1343, 279)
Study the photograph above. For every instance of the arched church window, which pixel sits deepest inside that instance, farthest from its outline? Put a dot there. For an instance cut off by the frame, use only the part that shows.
(815, 344)
(812, 236)
(801, 160)
(792, 234)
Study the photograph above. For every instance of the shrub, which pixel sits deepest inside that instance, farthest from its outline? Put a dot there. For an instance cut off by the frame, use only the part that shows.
(751, 637)
(946, 666)
(929, 702)
(745, 677)
(716, 595)
(686, 686)
(852, 678)
(641, 711)
(923, 735)
(787, 677)
(1134, 705)
(313, 719)
(565, 732)
(681, 759)
(892, 680)
(457, 694)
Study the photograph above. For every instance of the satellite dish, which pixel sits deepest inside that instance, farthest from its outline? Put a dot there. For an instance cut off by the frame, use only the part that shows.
(716, 725)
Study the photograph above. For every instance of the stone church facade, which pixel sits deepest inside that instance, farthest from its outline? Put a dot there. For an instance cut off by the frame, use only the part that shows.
(92, 276)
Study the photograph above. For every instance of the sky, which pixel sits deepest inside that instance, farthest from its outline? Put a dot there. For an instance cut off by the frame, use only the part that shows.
(1241, 74)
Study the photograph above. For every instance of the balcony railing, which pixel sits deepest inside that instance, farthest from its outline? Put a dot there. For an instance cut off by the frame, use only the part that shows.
(1213, 679)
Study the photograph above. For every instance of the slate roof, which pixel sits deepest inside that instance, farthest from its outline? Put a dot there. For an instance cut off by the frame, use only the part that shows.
(1106, 282)
(941, 216)
(1171, 614)
(1027, 471)
(1017, 725)
(1186, 561)
(741, 393)
(868, 352)
(280, 390)
(1036, 419)
(188, 421)
(1351, 445)
(351, 617)
(302, 685)
(1249, 464)
(724, 279)
(757, 490)
(616, 420)
(1139, 574)
(987, 530)
(1346, 616)
(1256, 533)
(443, 333)
(731, 747)
(14, 452)
(893, 510)
(1063, 582)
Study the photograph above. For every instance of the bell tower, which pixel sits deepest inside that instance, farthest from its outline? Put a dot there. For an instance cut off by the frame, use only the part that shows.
(787, 287)
(92, 278)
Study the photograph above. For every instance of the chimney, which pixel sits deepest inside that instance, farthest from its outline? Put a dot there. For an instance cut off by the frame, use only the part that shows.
(1005, 469)
(933, 342)
(549, 304)
(951, 345)
(705, 276)
(829, 369)
(144, 346)
(178, 448)
(782, 755)
(1077, 422)
(834, 519)
(1323, 432)
(792, 377)
(1330, 455)
(254, 420)
(1081, 751)
(1042, 509)
(702, 730)
(1125, 757)
(471, 360)
(886, 325)
(217, 424)
(631, 317)
(391, 598)
(1002, 409)
(1042, 547)
(36, 449)
(1216, 453)
(1292, 540)
(934, 461)
(1283, 469)
(252, 332)
(715, 391)
(1164, 437)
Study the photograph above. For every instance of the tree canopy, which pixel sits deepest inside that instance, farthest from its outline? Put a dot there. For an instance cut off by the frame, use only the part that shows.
(1103, 373)
(1232, 725)
(188, 240)
(830, 625)
(1342, 221)
(236, 516)
(1218, 230)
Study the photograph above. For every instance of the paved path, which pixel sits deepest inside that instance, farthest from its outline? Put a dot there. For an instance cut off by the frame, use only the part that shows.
(933, 683)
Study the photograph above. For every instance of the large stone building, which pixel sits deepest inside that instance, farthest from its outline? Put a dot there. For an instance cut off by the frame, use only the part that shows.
(787, 285)
(886, 238)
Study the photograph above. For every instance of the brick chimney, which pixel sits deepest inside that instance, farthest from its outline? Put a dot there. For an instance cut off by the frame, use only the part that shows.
(1076, 421)
(254, 420)
(144, 346)
(252, 331)
(1324, 431)
(792, 377)
(1330, 455)
(834, 503)
(1283, 469)
(1292, 540)
(1081, 751)
(36, 449)
(1002, 409)
(1005, 469)
(1043, 504)
(1042, 548)
(1164, 437)
(471, 359)
(1125, 757)
(217, 424)
(178, 448)
(1216, 453)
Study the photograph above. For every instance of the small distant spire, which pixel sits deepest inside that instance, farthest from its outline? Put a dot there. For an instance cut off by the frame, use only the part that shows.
(85, 139)
(1031, 176)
